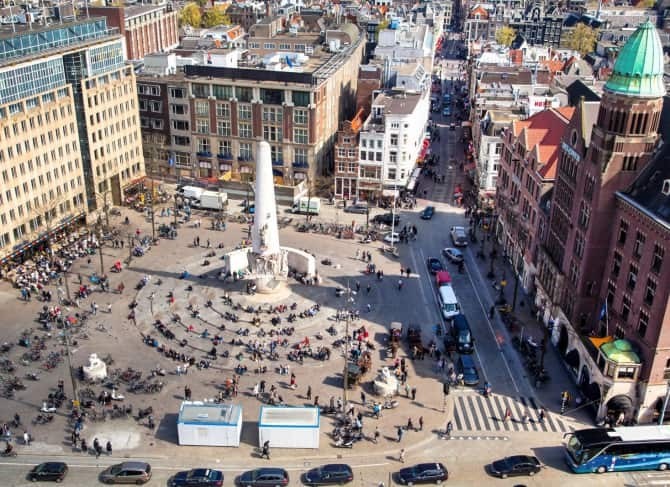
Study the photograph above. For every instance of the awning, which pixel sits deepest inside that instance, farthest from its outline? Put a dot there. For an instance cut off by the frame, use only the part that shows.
(134, 183)
(572, 358)
(598, 342)
(621, 404)
(390, 193)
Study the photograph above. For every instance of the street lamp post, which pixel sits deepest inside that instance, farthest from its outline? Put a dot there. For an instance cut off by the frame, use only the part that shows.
(100, 244)
(347, 321)
(130, 247)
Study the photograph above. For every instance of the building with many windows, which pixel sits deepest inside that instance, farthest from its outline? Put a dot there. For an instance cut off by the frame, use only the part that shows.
(69, 128)
(599, 273)
(204, 122)
(146, 28)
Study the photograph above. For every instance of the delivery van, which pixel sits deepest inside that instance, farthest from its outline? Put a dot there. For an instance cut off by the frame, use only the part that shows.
(449, 305)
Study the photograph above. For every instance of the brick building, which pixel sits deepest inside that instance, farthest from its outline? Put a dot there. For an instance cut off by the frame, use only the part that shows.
(526, 175)
(595, 167)
(146, 28)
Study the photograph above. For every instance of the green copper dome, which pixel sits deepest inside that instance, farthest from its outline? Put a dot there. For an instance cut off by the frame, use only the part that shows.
(638, 70)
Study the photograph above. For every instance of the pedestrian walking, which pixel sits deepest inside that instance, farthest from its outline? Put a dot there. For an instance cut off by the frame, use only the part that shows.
(420, 423)
(108, 447)
(363, 398)
(400, 433)
(26, 438)
(399, 284)
(265, 452)
(316, 401)
(83, 447)
(368, 288)
(109, 308)
(449, 428)
(94, 308)
(541, 415)
(178, 371)
(358, 254)
(410, 424)
(508, 415)
(187, 393)
(376, 435)
(413, 393)
(97, 447)
(401, 456)
(309, 393)
(526, 417)
(358, 286)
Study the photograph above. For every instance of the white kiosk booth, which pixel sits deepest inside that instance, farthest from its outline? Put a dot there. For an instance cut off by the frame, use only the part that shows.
(289, 427)
(208, 424)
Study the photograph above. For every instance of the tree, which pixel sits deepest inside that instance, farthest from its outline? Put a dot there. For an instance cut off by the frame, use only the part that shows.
(647, 4)
(505, 36)
(582, 39)
(190, 15)
(215, 16)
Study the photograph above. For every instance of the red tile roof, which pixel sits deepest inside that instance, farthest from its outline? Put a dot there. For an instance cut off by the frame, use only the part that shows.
(541, 135)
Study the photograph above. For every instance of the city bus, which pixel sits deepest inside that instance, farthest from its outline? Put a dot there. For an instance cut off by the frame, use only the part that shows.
(603, 450)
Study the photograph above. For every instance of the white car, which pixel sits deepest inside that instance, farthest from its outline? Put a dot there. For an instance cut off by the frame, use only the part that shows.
(392, 237)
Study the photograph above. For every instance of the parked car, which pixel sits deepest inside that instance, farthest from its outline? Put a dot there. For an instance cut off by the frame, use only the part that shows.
(428, 213)
(127, 473)
(263, 477)
(423, 473)
(446, 112)
(467, 370)
(386, 219)
(198, 477)
(434, 265)
(392, 237)
(453, 255)
(515, 465)
(459, 237)
(452, 126)
(357, 208)
(55, 471)
(331, 474)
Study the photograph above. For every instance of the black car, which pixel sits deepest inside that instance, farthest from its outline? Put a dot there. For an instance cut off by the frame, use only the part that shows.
(331, 474)
(423, 473)
(386, 219)
(516, 465)
(198, 477)
(263, 477)
(434, 265)
(359, 208)
(55, 471)
(428, 213)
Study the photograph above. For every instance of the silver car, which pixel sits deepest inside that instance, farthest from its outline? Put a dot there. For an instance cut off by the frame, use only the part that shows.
(459, 237)
(127, 473)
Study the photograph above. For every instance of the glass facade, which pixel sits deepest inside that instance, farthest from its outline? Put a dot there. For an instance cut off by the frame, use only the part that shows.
(37, 41)
(106, 58)
(31, 79)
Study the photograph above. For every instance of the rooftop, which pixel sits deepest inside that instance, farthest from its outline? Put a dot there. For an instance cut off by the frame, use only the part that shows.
(397, 103)
(296, 417)
(207, 413)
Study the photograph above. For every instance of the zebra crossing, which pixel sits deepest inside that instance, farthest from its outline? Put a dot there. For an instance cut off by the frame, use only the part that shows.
(474, 412)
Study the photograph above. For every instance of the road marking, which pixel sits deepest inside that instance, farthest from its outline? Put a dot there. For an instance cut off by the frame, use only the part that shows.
(486, 317)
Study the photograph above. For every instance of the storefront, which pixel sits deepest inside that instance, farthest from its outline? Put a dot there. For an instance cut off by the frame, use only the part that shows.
(133, 192)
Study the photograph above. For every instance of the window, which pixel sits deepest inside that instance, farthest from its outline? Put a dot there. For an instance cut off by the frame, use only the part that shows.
(393, 157)
(202, 126)
(179, 109)
(202, 108)
(272, 133)
(245, 130)
(623, 232)
(626, 372)
(642, 324)
(625, 307)
(244, 94)
(223, 92)
(584, 215)
(300, 117)
(276, 153)
(579, 245)
(244, 112)
(639, 244)
(650, 291)
(223, 127)
(180, 125)
(272, 97)
(300, 155)
(632, 276)
(616, 263)
(177, 93)
(300, 136)
(203, 146)
(245, 151)
(619, 332)
(274, 115)
(200, 90)
(300, 98)
(657, 259)
(223, 110)
(225, 148)
(392, 173)
(394, 139)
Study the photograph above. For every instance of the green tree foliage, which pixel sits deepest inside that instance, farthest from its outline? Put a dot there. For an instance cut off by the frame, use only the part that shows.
(215, 16)
(505, 35)
(190, 15)
(582, 39)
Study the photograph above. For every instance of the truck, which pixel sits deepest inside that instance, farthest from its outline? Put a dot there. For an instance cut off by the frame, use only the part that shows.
(307, 205)
(190, 192)
(210, 200)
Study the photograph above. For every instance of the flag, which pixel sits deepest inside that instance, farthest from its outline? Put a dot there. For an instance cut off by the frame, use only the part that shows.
(603, 311)
(171, 160)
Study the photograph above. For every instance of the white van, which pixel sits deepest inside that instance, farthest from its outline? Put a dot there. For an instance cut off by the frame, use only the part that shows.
(448, 302)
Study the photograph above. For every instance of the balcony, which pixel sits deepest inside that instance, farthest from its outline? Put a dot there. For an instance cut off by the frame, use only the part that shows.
(226, 156)
(300, 165)
(277, 162)
(203, 154)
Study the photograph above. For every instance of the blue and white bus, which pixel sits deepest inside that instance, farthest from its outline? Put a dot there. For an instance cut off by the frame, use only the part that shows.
(603, 450)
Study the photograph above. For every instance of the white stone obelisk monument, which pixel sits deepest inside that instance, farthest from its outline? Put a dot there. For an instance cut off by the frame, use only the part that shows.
(267, 261)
